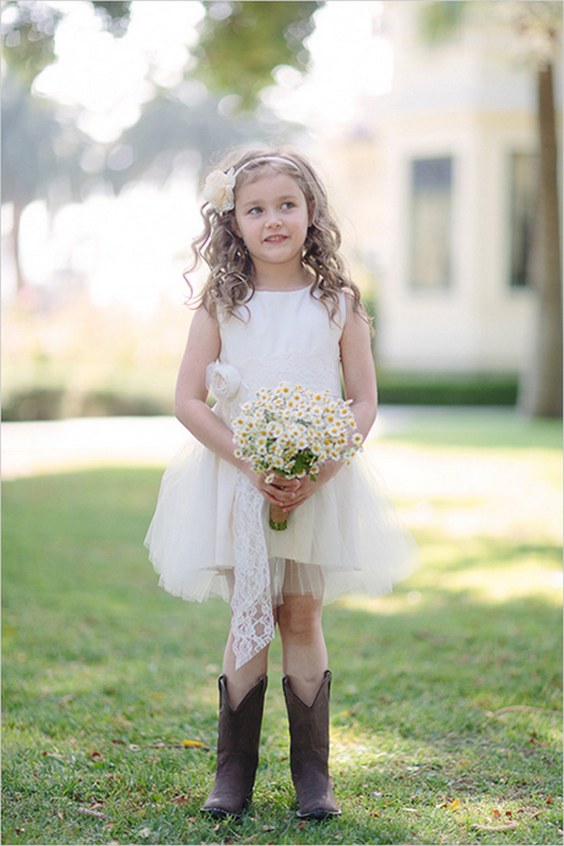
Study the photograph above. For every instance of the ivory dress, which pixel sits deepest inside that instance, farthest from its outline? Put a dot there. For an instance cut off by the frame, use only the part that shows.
(210, 536)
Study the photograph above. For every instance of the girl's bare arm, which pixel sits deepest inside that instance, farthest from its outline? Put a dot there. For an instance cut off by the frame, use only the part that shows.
(359, 373)
(202, 348)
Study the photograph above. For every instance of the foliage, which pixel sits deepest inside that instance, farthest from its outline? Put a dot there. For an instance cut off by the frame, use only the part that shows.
(123, 369)
(540, 24)
(440, 20)
(446, 695)
(28, 30)
(50, 373)
(29, 27)
(58, 399)
(538, 21)
(242, 43)
(179, 125)
(427, 388)
(44, 153)
(41, 144)
(114, 15)
(40, 148)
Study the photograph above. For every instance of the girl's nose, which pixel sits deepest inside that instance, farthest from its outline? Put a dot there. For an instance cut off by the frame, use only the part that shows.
(273, 221)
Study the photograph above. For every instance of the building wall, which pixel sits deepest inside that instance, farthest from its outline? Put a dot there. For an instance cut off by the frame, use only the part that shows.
(478, 322)
(470, 99)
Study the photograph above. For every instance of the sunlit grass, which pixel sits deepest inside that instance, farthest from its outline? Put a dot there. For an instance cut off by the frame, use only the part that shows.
(446, 697)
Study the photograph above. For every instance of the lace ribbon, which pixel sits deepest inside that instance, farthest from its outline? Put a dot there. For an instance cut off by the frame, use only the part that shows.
(251, 605)
(252, 621)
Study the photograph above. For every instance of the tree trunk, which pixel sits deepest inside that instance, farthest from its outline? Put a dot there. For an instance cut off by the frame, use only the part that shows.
(15, 237)
(541, 385)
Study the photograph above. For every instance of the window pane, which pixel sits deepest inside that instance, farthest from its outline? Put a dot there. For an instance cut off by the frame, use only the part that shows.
(431, 210)
(523, 190)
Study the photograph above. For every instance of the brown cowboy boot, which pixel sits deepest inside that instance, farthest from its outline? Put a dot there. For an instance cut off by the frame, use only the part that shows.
(309, 752)
(237, 751)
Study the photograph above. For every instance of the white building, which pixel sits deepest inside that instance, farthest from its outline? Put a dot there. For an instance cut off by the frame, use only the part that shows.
(449, 198)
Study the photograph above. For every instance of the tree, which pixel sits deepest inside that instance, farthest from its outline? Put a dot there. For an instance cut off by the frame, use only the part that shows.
(540, 23)
(40, 155)
(171, 125)
(29, 27)
(242, 43)
(41, 146)
(541, 387)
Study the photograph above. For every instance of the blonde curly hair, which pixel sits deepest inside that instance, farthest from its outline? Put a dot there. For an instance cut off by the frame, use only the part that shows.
(230, 282)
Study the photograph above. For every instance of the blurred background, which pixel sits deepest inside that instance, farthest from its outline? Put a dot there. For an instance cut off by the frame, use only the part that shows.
(436, 128)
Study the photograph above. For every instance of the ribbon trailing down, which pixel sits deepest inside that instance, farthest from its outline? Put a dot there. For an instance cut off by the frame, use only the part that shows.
(251, 605)
(252, 621)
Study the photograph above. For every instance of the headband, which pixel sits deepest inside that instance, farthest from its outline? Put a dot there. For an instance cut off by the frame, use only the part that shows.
(218, 187)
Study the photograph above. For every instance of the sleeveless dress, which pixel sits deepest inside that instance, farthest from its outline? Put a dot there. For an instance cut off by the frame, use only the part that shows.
(210, 535)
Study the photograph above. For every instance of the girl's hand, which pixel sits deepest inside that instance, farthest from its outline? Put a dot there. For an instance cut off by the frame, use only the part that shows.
(306, 487)
(280, 491)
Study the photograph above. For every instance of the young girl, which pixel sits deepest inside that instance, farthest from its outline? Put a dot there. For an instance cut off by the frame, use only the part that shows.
(277, 306)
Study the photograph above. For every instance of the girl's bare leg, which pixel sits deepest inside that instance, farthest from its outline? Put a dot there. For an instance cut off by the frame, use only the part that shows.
(240, 681)
(303, 644)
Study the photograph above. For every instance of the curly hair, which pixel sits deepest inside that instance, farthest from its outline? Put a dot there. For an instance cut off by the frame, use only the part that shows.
(230, 282)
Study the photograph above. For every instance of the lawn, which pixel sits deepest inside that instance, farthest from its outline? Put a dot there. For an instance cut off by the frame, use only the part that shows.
(446, 711)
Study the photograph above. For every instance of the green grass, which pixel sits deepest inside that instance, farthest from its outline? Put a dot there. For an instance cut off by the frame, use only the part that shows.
(446, 696)
(497, 428)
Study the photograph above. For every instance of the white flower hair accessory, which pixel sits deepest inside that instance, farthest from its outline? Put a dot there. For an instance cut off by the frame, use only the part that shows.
(219, 186)
(218, 190)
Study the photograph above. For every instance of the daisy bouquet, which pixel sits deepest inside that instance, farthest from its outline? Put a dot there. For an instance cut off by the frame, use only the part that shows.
(290, 431)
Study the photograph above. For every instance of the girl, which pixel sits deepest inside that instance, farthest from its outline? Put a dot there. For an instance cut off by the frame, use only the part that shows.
(277, 305)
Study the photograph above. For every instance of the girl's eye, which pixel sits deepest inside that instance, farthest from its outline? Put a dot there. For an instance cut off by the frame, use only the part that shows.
(289, 204)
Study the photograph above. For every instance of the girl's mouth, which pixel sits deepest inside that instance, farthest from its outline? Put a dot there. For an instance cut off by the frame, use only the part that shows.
(275, 239)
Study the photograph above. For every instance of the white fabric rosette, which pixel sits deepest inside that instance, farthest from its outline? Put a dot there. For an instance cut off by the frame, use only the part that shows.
(224, 382)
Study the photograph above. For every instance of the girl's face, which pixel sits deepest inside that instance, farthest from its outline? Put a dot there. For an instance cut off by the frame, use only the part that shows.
(271, 216)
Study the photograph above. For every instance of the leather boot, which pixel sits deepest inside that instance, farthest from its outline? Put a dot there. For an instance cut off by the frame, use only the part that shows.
(309, 752)
(237, 751)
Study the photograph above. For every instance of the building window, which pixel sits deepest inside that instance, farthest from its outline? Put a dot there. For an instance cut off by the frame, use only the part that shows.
(431, 223)
(522, 193)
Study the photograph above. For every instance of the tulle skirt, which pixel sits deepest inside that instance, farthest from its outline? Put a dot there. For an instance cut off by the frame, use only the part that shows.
(346, 538)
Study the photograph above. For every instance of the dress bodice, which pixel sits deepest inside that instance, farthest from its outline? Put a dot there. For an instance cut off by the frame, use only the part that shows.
(284, 336)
